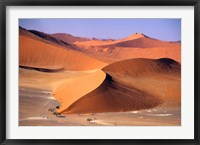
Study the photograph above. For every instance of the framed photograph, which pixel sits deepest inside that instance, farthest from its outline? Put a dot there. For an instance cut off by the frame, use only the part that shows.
(100, 72)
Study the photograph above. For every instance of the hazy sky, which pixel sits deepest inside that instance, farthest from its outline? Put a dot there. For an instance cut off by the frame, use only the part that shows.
(163, 29)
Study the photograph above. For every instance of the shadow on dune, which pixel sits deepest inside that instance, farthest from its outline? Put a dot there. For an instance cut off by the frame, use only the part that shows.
(113, 96)
(159, 82)
(43, 69)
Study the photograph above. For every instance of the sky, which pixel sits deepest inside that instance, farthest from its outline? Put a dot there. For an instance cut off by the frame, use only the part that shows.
(107, 28)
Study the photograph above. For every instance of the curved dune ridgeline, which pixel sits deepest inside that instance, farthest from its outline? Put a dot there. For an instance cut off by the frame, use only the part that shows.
(130, 85)
(75, 88)
(113, 96)
(37, 52)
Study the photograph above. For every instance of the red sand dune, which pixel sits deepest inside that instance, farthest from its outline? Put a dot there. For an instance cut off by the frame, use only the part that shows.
(137, 45)
(133, 85)
(129, 85)
(49, 38)
(143, 42)
(72, 90)
(134, 46)
(38, 52)
(54, 40)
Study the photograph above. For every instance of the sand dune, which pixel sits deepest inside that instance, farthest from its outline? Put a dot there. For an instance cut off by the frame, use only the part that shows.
(137, 45)
(68, 38)
(111, 55)
(43, 69)
(39, 53)
(139, 67)
(130, 85)
(130, 81)
(50, 38)
(74, 89)
(152, 53)
(135, 40)
(104, 42)
(126, 85)
(93, 43)
(113, 96)
(134, 46)
(161, 77)
(143, 42)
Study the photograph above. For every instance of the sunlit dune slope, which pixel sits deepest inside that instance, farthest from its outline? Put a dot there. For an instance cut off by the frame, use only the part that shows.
(133, 85)
(74, 88)
(37, 52)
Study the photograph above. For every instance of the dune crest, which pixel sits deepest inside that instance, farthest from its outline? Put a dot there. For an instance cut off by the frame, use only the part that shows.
(134, 36)
(74, 89)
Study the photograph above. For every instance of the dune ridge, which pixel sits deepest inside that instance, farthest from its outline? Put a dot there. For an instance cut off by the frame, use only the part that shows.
(74, 89)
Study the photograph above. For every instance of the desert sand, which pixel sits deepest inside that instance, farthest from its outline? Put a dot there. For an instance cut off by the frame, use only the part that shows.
(70, 80)
(36, 53)
(146, 84)
(67, 93)
(134, 46)
(40, 102)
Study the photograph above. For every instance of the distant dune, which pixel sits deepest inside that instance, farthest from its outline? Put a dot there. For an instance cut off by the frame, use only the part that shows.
(143, 42)
(68, 38)
(39, 53)
(132, 85)
(134, 46)
(50, 38)
(137, 45)
(137, 40)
